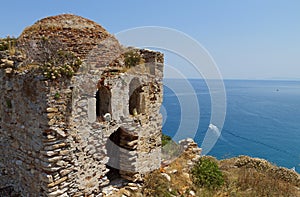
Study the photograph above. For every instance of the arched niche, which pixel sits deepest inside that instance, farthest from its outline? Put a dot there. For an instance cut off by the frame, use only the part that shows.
(136, 97)
(103, 102)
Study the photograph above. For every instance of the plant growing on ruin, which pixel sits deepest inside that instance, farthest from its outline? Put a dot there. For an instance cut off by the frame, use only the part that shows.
(170, 149)
(8, 103)
(62, 64)
(57, 95)
(133, 58)
(3, 45)
(165, 139)
(55, 62)
(8, 44)
(206, 173)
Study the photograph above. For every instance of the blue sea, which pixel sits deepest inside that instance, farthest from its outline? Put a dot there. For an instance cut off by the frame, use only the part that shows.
(262, 118)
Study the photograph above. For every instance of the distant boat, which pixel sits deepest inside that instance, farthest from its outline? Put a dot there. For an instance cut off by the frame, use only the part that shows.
(277, 90)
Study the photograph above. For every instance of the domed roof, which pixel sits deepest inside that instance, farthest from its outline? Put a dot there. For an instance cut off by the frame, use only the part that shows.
(75, 33)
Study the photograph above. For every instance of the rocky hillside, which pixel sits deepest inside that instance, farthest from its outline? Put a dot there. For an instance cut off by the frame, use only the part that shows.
(242, 176)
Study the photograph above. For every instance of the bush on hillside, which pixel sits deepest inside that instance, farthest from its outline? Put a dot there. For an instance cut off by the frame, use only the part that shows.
(206, 173)
(165, 139)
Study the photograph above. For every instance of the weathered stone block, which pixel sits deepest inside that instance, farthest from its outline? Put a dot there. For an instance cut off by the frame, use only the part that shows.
(57, 182)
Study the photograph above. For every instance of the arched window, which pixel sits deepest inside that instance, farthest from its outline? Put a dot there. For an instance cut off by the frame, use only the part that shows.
(103, 101)
(136, 97)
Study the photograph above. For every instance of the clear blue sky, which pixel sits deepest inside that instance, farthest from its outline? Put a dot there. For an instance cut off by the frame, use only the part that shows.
(248, 39)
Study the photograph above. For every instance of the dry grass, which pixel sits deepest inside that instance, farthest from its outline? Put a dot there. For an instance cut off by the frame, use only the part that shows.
(180, 184)
(249, 181)
(260, 184)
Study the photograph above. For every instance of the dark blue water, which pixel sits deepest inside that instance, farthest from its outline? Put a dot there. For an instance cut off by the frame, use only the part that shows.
(262, 119)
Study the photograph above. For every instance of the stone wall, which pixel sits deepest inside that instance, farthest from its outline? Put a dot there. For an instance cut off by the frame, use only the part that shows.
(94, 147)
(22, 120)
(53, 142)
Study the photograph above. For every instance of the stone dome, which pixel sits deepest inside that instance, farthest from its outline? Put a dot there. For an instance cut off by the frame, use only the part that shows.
(74, 33)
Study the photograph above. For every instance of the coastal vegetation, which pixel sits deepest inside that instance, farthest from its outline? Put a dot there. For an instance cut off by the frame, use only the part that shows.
(209, 177)
(216, 178)
(206, 173)
(133, 58)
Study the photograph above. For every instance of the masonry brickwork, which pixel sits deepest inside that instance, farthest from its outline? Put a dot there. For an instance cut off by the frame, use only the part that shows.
(63, 137)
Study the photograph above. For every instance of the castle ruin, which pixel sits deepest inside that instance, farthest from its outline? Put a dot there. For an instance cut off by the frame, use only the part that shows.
(75, 108)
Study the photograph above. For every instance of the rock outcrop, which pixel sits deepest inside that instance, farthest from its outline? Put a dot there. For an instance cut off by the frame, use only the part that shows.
(263, 165)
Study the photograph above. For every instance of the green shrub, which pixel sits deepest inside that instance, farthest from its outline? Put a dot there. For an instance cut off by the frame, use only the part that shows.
(8, 103)
(8, 44)
(165, 139)
(57, 96)
(206, 173)
(133, 58)
(170, 149)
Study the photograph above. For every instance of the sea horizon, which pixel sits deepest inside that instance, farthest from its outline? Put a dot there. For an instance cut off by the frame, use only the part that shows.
(261, 119)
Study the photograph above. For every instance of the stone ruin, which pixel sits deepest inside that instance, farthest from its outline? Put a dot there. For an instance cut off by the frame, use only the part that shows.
(66, 128)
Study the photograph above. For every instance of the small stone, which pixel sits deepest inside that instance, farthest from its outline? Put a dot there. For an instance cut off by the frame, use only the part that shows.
(61, 163)
(173, 171)
(57, 182)
(61, 132)
(132, 184)
(52, 110)
(82, 103)
(54, 159)
(64, 152)
(132, 143)
(192, 193)
(64, 172)
(8, 70)
(57, 192)
(8, 63)
(133, 188)
(186, 175)
(32, 171)
(51, 115)
(46, 178)
(48, 153)
(64, 184)
(19, 162)
(55, 146)
(125, 193)
(64, 195)
(79, 110)
(196, 158)
(166, 176)
(50, 137)
(51, 122)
